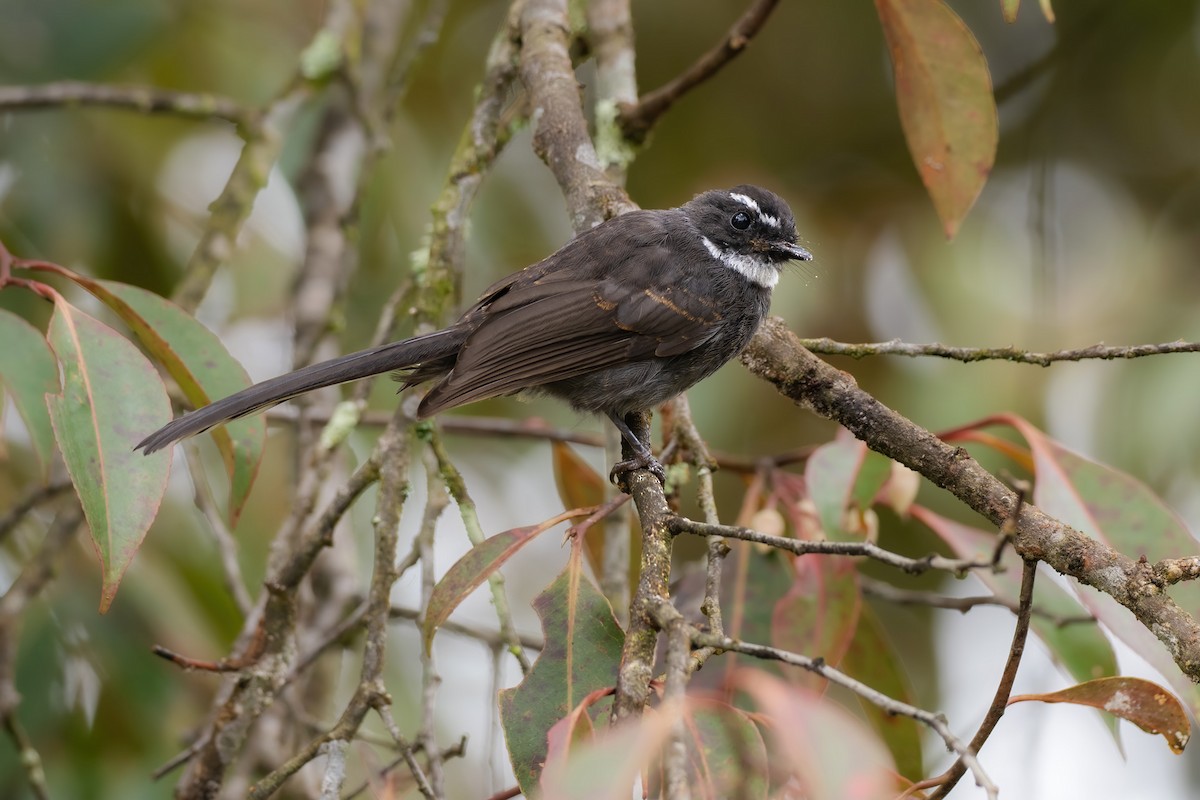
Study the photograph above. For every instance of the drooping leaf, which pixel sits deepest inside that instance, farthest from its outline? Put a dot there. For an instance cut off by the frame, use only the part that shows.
(1144, 703)
(466, 574)
(944, 94)
(29, 372)
(200, 364)
(581, 655)
(872, 659)
(110, 397)
(831, 753)
(1009, 9)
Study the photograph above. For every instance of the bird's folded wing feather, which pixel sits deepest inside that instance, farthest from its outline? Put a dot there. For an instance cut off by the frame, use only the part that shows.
(540, 333)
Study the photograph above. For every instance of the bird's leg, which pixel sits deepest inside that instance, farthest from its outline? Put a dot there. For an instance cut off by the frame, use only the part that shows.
(635, 448)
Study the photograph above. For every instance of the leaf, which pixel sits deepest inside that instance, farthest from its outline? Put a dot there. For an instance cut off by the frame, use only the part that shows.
(578, 486)
(581, 655)
(29, 371)
(872, 659)
(831, 753)
(753, 583)
(726, 753)
(1123, 512)
(1047, 11)
(944, 94)
(466, 574)
(840, 475)
(1144, 703)
(110, 397)
(819, 614)
(606, 767)
(200, 364)
(1009, 9)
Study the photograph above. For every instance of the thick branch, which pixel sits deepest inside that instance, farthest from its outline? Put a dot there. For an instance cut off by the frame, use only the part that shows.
(776, 355)
(560, 134)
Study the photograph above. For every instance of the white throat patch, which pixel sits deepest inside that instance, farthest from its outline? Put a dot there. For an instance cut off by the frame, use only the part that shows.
(756, 271)
(753, 205)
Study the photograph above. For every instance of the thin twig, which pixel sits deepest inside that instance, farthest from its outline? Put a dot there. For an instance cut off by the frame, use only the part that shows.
(895, 347)
(39, 495)
(912, 597)
(913, 566)
(149, 100)
(474, 529)
(636, 119)
(436, 501)
(947, 781)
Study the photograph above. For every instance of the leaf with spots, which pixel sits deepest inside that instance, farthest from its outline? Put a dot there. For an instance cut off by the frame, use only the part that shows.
(944, 94)
(110, 397)
(200, 364)
(1144, 703)
(581, 655)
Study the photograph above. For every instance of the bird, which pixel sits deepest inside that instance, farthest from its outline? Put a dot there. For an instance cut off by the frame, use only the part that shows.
(622, 318)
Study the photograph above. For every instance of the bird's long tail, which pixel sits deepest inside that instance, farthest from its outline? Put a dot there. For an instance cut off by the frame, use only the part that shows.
(363, 364)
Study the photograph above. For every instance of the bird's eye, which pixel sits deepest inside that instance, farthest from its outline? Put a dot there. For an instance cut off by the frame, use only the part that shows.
(740, 220)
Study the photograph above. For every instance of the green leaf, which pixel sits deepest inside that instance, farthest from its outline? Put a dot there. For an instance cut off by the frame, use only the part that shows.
(110, 397)
(1009, 9)
(29, 371)
(944, 94)
(200, 364)
(581, 655)
(873, 660)
(842, 474)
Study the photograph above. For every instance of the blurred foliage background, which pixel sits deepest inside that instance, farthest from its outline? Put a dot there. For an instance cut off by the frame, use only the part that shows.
(1087, 231)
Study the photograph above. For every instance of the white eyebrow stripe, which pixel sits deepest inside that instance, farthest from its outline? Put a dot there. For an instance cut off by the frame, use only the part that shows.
(746, 200)
(762, 273)
(752, 204)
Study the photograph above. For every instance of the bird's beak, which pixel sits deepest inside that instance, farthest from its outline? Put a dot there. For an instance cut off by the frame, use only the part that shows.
(791, 250)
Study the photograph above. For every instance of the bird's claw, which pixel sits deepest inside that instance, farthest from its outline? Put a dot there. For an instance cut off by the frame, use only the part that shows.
(624, 467)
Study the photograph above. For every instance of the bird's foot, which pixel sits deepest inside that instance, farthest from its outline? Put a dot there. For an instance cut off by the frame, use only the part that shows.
(642, 461)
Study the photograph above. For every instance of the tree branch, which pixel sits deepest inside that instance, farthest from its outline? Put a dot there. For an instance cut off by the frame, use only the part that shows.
(776, 356)
(895, 347)
(637, 119)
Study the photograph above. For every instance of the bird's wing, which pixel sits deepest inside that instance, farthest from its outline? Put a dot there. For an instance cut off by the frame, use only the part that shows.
(542, 332)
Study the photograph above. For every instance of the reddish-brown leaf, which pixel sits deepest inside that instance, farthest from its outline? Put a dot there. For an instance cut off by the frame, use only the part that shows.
(1144, 703)
(944, 94)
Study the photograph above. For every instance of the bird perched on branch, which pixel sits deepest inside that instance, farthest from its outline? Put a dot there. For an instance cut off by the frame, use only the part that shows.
(622, 318)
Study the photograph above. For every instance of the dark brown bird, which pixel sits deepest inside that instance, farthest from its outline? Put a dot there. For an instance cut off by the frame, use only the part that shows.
(621, 319)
